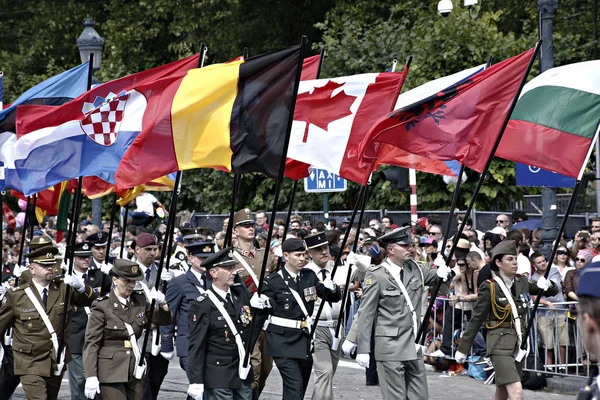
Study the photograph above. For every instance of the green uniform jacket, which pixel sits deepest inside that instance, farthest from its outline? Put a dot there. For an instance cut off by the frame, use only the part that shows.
(32, 344)
(501, 341)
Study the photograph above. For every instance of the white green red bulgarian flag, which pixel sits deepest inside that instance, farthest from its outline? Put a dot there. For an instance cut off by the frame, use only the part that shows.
(555, 123)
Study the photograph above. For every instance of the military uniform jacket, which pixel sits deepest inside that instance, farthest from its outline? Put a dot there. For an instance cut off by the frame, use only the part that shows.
(7, 273)
(291, 342)
(340, 281)
(213, 353)
(181, 292)
(254, 258)
(32, 344)
(501, 340)
(101, 284)
(105, 354)
(383, 307)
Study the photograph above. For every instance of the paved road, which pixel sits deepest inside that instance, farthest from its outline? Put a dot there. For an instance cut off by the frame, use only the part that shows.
(348, 383)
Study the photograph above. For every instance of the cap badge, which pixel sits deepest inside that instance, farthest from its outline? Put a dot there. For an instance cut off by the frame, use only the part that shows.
(49, 255)
(206, 249)
(134, 269)
(99, 235)
(85, 247)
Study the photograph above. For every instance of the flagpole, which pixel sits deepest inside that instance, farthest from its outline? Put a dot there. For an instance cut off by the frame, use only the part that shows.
(346, 293)
(168, 233)
(113, 211)
(278, 182)
(33, 218)
(23, 234)
(124, 233)
(237, 179)
(425, 321)
(357, 205)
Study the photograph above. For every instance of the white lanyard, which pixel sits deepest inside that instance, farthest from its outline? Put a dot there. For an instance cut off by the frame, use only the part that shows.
(513, 307)
(298, 300)
(134, 344)
(53, 336)
(406, 296)
(155, 348)
(242, 372)
(247, 267)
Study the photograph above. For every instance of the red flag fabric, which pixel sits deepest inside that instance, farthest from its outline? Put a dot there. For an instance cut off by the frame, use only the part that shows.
(390, 155)
(9, 217)
(460, 123)
(332, 116)
(310, 67)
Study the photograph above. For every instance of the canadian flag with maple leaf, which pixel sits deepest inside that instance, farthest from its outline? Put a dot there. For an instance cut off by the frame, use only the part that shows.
(333, 115)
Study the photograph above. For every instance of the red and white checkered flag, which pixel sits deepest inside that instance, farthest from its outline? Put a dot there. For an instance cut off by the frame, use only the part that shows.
(102, 124)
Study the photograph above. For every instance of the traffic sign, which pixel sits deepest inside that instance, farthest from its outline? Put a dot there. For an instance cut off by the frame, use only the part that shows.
(322, 181)
(528, 175)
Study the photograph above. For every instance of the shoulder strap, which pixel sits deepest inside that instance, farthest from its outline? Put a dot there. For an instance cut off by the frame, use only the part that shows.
(234, 331)
(246, 266)
(406, 296)
(513, 307)
(134, 344)
(298, 300)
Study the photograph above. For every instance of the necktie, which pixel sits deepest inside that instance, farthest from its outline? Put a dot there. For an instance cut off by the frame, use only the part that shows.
(402, 275)
(204, 281)
(84, 277)
(513, 290)
(45, 296)
(324, 273)
(230, 307)
(126, 306)
(148, 272)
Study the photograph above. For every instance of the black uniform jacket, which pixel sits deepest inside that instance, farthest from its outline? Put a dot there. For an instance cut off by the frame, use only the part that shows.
(291, 342)
(213, 353)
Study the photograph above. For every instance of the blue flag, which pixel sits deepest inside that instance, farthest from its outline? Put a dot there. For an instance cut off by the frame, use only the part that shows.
(54, 91)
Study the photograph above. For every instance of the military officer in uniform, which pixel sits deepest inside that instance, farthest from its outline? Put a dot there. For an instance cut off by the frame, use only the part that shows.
(219, 329)
(29, 308)
(326, 346)
(497, 298)
(390, 309)
(250, 260)
(8, 278)
(101, 284)
(588, 318)
(292, 293)
(111, 352)
(181, 292)
(99, 242)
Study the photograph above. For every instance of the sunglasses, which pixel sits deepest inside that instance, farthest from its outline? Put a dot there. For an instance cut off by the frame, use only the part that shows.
(581, 260)
(461, 264)
(501, 221)
(562, 253)
(434, 233)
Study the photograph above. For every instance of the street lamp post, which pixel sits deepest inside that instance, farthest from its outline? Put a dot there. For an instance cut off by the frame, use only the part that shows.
(90, 42)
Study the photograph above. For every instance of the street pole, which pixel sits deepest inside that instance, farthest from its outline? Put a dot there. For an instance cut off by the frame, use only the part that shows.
(546, 9)
(326, 206)
(597, 144)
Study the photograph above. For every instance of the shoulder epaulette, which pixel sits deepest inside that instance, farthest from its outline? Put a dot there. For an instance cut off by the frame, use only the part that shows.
(200, 298)
(20, 287)
(375, 267)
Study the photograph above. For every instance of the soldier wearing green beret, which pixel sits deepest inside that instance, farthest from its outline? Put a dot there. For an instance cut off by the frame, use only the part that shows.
(502, 304)
(36, 309)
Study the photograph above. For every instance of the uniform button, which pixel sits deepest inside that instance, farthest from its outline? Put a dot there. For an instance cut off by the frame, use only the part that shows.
(115, 327)
(128, 352)
(217, 363)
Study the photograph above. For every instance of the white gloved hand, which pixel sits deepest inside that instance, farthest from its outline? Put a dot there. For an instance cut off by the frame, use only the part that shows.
(543, 283)
(196, 390)
(157, 295)
(92, 387)
(329, 284)
(75, 282)
(166, 275)
(64, 265)
(2, 290)
(261, 302)
(363, 360)
(18, 270)
(105, 267)
(442, 269)
(352, 258)
(348, 348)
(420, 347)
(167, 355)
(277, 251)
(361, 261)
(460, 357)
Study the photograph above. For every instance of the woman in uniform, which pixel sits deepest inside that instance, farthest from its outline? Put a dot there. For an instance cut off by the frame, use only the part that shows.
(110, 353)
(494, 307)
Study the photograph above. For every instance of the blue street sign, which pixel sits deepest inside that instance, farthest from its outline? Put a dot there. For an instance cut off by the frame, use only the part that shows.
(528, 175)
(321, 181)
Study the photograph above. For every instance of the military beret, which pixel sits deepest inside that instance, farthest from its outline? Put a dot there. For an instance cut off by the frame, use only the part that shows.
(201, 249)
(82, 249)
(223, 258)
(316, 240)
(401, 235)
(589, 280)
(98, 239)
(145, 239)
(43, 255)
(127, 269)
(293, 244)
(243, 216)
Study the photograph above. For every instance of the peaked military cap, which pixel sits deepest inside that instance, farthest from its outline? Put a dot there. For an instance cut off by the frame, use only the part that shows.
(39, 241)
(223, 258)
(316, 240)
(146, 239)
(127, 269)
(192, 234)
(82, 249)
(505, 247)
(201, 249)
(402, 235)
(243, 216)
(589, 280)
(98, 239)
(43, 255)
(293, 244)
